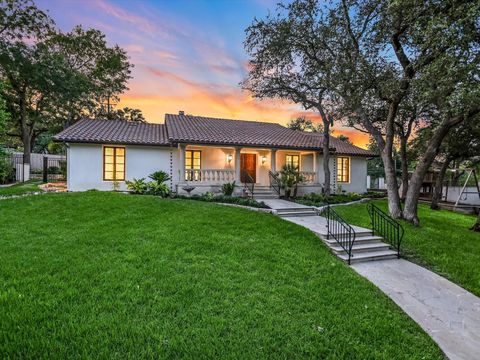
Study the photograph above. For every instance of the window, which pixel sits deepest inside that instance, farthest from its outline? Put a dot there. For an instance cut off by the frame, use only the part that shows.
(113, 163)
(193, 165)
(343, 169)
(293, 160)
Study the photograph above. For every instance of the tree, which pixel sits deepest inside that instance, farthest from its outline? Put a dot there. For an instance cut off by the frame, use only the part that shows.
(388, 50)
(125, 114)
(290, 60)
(102, 73)
(303, 124)
(54, 78)
(21, 19)
(344, 138)
(476, 226)
(462, 144)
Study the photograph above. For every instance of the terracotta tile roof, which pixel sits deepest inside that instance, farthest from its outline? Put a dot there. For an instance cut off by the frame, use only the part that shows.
(206, 130)
(114, 132)
(201, 130)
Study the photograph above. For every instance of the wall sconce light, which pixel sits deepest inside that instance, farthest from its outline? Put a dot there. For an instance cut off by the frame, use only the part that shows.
(229, 158)
(264, 159)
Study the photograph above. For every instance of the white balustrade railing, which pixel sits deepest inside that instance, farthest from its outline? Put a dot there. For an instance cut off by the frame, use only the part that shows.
(308, 176)
(210, 175)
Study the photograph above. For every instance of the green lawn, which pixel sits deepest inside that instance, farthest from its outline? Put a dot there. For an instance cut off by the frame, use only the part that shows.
(110, 275)
(442, 243)
(20, 188)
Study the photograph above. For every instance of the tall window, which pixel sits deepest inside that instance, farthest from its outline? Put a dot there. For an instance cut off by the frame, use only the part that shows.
(343, 169)
(293, 160)
(113, 163)
(193, 161)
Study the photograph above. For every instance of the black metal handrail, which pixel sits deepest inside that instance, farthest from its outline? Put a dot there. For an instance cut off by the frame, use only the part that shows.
(274, 182)
(386, 226)
(340, 230)
(248, 183)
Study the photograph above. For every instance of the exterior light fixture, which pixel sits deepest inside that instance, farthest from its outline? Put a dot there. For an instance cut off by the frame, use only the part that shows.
(264, 159)
(229, 158)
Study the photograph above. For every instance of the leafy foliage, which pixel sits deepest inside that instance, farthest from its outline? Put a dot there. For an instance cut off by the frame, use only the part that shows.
(159, 176)
(290, 177)
(228, 188)
(211, 197)
(304, 124)
(137, 186)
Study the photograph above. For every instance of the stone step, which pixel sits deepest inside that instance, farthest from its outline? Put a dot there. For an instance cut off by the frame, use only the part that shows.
(265, 197)
(295, 214)
(369, 256)
(358, 239)
(362, 247)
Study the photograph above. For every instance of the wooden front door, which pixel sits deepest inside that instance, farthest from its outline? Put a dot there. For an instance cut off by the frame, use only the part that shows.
(248, 165)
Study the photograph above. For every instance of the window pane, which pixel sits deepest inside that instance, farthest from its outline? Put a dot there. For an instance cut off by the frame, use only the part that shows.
(108, 159)
(108, 151)
(120, 159)
(108, 175)
(196, 163)
(120, 167)
(108, 167)
(120, 151)
(188, 155)
(119, 175)
(196, 154)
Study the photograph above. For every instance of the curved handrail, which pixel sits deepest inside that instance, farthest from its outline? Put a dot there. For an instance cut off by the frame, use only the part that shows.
(249, 184)
(341, 231)
(274, 182)
(386, 226)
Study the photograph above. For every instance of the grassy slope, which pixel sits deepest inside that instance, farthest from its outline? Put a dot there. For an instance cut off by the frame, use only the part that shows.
(442, 243)
(20, 188)
(122, 276)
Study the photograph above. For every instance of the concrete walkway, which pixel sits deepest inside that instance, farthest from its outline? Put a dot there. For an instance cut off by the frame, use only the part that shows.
(447, 312)
(318, 224)
(276, 204)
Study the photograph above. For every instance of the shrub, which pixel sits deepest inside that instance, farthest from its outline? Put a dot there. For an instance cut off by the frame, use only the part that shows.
(158, 189)
(63, 168)
(137, 186)
(54, 170)
(157, 186)
(228, 188)
(290, 177)
(159, 176)
(6, 170)
(210, 197)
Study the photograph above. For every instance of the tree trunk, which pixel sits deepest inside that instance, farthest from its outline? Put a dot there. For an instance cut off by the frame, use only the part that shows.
(326, 155)
(476, 226)
(437, 191)
(403, 156)
(26, 135)
(413, 193)
(394, 207)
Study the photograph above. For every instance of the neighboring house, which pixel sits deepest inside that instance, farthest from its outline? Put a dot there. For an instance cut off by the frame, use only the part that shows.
(204, 152)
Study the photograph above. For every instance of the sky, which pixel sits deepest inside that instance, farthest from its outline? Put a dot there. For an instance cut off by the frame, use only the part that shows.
(187, 55)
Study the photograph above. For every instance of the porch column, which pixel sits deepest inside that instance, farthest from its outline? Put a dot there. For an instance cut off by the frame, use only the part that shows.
(237, 165)
(273, 160)
(181, 147)
(315, 168)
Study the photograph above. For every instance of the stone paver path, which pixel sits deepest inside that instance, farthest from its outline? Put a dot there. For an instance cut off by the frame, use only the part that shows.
(447, 312)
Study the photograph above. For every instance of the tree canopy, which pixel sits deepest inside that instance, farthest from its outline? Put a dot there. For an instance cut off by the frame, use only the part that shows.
(53, 78)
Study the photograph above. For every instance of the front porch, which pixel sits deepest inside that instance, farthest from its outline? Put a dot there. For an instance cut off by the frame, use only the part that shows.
(212, 166)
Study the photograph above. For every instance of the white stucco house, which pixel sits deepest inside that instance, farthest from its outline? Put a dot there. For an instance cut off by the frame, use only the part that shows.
(205, 153)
